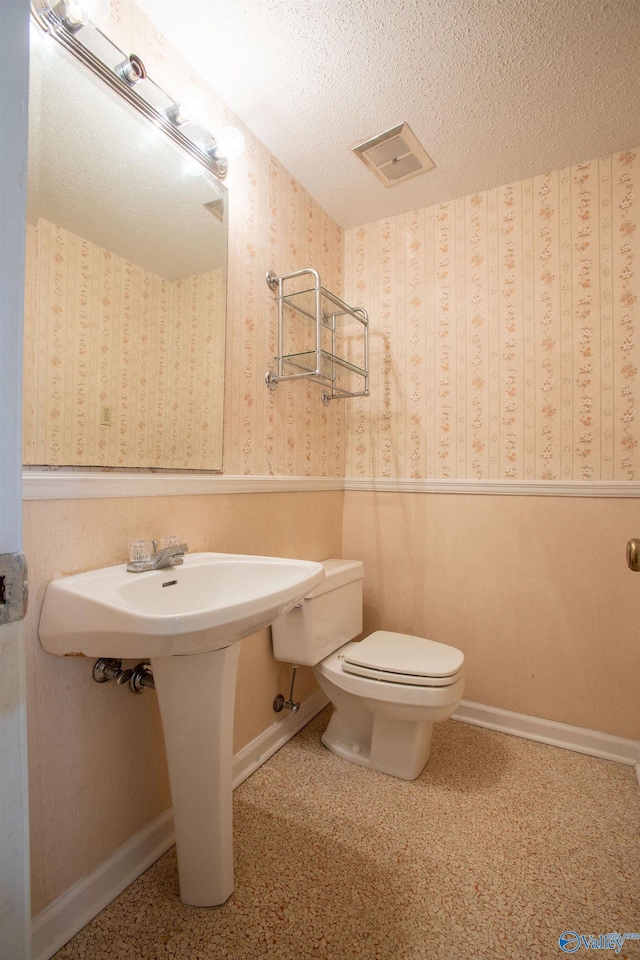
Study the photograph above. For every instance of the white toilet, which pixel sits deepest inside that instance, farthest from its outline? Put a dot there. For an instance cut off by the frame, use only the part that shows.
(387, 690)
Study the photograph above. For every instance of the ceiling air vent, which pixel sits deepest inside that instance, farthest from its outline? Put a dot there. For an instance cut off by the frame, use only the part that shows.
(395, 155)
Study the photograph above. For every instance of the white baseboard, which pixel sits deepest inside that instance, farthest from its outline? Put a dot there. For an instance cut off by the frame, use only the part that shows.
(62, 919)
(247, 760)
(57, 923)
(591, 742)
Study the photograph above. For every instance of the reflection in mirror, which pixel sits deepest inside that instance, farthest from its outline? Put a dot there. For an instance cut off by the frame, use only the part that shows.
(125, 282)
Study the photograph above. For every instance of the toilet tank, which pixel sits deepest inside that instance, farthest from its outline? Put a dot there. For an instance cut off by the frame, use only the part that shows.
(328, 617)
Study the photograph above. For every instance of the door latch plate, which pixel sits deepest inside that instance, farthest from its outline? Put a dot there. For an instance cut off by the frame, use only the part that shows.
(14, 589)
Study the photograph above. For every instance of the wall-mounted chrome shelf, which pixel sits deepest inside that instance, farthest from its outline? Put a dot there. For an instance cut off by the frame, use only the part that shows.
(331, 344)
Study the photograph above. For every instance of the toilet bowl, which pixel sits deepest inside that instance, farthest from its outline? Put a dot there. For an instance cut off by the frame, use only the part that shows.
(387, 690)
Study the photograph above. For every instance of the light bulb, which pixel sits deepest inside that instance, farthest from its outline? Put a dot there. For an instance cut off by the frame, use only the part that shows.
(230, 143)
(193, 108)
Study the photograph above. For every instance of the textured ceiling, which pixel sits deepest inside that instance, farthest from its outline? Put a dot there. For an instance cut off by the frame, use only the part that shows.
(496, 90)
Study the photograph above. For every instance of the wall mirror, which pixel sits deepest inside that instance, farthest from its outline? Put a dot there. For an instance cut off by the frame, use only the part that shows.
(126, 269)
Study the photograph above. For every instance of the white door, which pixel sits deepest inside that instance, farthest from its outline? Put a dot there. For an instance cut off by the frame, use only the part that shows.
(14, 833)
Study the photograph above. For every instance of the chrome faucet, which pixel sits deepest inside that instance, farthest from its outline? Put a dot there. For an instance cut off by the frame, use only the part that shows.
(169, 556)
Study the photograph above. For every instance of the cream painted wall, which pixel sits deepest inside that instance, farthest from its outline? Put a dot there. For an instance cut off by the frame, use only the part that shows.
(534, 590)
(96, 754)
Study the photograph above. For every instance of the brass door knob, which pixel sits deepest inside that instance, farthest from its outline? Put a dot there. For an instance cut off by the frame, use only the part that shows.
(633, 555)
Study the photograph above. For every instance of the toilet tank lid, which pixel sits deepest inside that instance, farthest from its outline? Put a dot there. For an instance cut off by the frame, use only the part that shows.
(337, 573)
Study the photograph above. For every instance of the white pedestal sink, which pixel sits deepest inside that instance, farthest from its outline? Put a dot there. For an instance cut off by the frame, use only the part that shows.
(187, 621)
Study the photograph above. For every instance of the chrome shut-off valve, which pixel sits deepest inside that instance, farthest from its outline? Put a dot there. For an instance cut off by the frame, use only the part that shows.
(108, 668)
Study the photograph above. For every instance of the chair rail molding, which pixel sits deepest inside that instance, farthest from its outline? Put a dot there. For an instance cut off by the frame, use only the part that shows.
(60, 484)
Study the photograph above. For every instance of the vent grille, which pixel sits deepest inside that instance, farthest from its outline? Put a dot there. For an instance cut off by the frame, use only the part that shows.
(388, 150)
(399, 169)
(395, 155)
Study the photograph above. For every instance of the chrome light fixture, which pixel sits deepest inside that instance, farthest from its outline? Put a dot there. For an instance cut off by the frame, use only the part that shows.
(68, 23)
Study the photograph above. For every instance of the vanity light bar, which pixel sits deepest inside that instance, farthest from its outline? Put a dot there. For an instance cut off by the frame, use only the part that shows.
(126, 75)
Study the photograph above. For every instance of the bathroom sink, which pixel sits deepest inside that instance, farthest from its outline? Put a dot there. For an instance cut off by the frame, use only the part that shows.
(210, 601)
(186, 620)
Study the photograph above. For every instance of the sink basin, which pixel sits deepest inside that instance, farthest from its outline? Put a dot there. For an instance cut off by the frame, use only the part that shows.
(186, 620)
(208, 602)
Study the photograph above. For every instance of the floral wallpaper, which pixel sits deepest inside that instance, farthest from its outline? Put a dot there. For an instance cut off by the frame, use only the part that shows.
(100, 332)
(275, 224)
(503, 332)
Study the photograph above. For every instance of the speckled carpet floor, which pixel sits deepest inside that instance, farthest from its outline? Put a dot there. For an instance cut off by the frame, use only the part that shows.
(497, 849)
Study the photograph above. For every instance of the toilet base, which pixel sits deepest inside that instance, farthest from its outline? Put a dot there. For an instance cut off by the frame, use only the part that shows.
(381, 725)
(399, 748)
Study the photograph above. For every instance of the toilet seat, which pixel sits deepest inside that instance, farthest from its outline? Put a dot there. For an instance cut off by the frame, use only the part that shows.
(388, 694)
(404, 659)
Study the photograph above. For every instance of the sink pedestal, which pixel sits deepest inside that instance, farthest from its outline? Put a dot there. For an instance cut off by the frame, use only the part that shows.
(196, 696)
